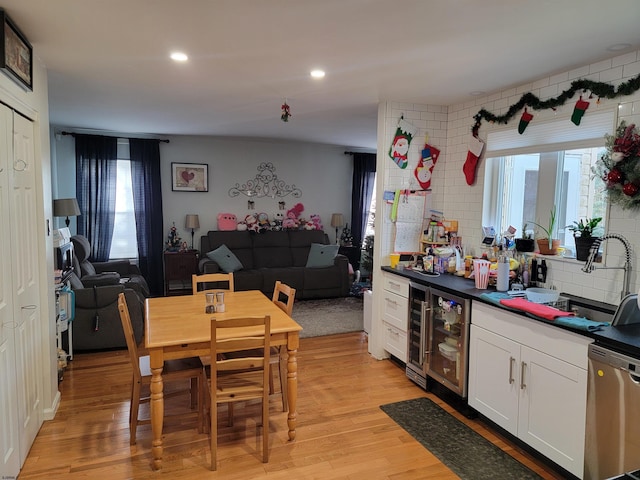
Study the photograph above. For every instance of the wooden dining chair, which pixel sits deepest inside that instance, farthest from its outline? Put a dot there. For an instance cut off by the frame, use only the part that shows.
(174, 370)
(202, 280)
(283, 297)
(239, 378)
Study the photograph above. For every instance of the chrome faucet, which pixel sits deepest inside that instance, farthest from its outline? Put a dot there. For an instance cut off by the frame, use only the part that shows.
(590, 267)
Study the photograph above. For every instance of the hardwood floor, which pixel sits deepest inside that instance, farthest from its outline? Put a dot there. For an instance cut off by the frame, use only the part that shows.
(341, 434)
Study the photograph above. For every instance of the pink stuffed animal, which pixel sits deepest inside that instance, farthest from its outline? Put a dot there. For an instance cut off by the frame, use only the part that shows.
(292, 216)
(317, 222)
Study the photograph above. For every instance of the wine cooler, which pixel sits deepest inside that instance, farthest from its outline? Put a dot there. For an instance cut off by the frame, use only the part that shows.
(438, 338)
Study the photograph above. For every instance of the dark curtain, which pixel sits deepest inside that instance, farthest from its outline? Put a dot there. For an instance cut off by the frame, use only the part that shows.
(147, 202)
(364, 175)
(96, 171)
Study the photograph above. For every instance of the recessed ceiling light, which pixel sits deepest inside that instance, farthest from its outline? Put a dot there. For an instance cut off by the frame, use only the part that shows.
(317, 73)
(618, 47)
(179, 57)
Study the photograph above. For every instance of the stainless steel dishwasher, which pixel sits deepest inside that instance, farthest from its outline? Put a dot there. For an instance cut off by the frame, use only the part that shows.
(612, 444)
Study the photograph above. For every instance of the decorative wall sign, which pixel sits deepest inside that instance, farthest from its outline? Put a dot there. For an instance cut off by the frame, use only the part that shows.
(265, 184)
(189, 177)
(16, 54)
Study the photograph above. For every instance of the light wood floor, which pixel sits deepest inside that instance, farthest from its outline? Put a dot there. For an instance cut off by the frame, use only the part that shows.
(341, 434)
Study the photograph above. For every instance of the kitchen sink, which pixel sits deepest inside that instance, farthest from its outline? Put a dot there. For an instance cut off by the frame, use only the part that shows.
(586, 308)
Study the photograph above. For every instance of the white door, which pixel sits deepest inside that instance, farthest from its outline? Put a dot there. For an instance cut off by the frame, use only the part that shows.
(9, 437)
(24, 257)
(553, 409)
(494, 377)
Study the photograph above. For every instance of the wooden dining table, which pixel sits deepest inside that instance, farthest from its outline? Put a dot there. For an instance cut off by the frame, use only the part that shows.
(178, 327)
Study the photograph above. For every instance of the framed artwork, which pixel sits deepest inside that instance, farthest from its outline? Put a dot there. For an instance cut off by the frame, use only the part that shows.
(189, 177)
(16, 54)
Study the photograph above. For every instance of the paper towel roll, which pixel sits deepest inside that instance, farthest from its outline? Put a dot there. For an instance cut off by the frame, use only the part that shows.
(502, 284)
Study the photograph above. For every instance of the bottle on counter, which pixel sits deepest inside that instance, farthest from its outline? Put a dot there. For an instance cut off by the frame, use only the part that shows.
(468, 263)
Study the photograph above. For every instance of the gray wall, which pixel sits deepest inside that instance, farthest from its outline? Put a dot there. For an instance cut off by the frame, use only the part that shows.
(322, 172)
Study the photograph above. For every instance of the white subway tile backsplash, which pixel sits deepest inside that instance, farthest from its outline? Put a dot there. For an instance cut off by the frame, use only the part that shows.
(625, 58)
(578, 72)
(600, 66)
(631, 70)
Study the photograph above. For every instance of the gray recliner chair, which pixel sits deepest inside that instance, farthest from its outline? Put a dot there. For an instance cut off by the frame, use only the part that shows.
(97, 324)
(105, 273)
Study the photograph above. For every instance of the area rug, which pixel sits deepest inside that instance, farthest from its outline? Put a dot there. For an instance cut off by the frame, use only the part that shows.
(328, 316)
(467, 453)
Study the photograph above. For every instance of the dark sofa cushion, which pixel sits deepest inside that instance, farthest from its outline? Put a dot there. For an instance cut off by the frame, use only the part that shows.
(292, 276)
(271, 250)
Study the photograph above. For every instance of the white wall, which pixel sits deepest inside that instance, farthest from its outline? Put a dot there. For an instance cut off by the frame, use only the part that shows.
(459, 201)
(465, 202)
(322, 172)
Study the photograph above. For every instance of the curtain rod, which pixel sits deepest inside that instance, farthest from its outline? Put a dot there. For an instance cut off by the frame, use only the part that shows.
(73, 134)
(355, 153)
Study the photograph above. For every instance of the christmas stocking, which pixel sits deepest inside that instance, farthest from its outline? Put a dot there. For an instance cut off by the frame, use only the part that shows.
(578, 111)
(425, 166)
(524, 121)
(400, 147)
(469, 168)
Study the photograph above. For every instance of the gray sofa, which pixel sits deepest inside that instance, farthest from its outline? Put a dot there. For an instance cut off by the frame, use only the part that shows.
(278, 255)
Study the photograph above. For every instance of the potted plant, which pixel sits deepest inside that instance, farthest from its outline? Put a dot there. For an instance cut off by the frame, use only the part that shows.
(525, 243)
(583, 234)
(547, 244)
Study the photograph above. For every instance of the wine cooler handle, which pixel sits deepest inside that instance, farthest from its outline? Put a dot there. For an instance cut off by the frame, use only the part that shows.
(426, 325)
(523, 385)
(511, 362)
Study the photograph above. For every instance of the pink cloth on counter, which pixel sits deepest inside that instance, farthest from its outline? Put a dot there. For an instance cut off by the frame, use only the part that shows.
(537, 309)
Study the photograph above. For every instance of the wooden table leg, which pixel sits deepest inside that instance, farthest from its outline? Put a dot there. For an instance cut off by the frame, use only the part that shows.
(157, 407)
(292, 383)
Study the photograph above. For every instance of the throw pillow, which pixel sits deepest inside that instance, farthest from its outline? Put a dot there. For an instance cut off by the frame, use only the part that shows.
(321, 255)
(225, 258)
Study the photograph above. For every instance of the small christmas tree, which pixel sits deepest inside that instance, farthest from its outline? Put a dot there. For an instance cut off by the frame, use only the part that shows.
(346, 239)
(173, 240)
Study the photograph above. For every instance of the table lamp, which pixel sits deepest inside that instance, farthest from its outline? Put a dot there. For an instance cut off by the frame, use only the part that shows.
(66, 207)
(337, 221)
(192, 222)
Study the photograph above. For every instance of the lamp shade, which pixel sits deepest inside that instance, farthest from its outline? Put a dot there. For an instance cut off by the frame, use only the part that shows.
(192, 221)
(66, 207)
(337, 220)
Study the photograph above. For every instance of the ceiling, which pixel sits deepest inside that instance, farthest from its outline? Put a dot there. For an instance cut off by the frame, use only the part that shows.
(109, 68)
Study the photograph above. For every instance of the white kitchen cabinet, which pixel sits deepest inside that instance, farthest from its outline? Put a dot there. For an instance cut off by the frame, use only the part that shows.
(395, 315)
(530, 379)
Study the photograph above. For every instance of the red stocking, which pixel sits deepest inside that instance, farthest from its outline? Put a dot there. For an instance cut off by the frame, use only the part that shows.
(473, 155)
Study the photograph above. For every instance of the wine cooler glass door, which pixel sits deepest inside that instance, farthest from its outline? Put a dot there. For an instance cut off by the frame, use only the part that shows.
(449, 331)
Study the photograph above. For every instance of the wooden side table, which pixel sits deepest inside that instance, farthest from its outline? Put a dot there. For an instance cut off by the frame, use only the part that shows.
(178, 268)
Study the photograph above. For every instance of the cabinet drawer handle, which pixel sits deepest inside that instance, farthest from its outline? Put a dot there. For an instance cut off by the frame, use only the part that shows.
(511, 362)
(391, 301)
(523, 385)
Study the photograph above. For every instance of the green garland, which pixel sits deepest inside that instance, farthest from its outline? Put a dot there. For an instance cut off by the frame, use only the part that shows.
(601, 90)
(619, 167)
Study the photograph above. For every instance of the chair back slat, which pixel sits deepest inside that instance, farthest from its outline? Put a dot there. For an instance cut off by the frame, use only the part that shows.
(283, 290)
(200, 280)
(129, 336)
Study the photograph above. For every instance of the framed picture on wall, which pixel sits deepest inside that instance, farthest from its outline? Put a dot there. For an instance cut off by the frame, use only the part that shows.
(16, 54)
(189, 177)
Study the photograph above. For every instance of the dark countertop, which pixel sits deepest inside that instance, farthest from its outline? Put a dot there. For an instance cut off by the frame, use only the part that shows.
(625, 339)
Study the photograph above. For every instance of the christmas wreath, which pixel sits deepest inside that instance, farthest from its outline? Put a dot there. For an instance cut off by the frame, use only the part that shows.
(619, 166)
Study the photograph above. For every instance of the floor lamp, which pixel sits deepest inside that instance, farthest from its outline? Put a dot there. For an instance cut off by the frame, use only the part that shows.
(337, 221)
